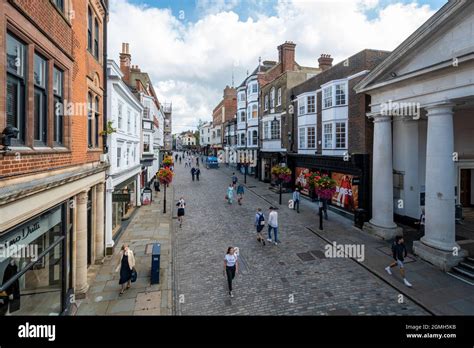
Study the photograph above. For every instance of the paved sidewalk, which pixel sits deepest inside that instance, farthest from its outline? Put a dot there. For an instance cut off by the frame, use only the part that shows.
(433, 289)
(148, 225)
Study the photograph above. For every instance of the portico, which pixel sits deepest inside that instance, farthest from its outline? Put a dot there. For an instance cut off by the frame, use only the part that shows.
(422, 105)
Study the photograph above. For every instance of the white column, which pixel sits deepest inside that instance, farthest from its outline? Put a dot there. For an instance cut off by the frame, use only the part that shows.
(99, 222)
(138, 201)
(109, 242)
(382, 178)
(440, 179)
(81, 244)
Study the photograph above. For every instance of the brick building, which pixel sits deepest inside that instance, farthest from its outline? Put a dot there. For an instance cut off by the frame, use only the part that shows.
(275, 123)
(52, 167)
(224, 112)
(332, 134)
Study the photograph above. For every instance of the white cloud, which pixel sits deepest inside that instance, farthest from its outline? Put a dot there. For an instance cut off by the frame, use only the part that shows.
(191, 63)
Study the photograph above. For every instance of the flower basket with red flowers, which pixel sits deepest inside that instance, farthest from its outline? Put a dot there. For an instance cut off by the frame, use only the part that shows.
(282, 174)
(325, 187)
(165, 176)
(168, 161)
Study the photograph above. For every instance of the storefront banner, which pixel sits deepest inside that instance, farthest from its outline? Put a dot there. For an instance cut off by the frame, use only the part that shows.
(121, 197)
(20, 238)
(347, 194)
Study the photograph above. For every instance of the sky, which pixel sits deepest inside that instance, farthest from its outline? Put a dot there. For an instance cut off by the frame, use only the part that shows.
(192, 48)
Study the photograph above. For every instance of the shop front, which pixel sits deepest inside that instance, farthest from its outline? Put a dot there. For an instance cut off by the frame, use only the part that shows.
(123, 204)
(352, 179)
(267, 161)
(36, 265)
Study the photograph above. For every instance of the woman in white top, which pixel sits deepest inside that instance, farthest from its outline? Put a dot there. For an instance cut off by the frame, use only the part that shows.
(126, 265)
(231, 267)
(181, 205)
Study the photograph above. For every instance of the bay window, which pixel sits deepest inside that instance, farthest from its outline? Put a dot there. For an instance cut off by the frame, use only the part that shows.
(327, 97)
(275, 130)
(266, 102)
(254, 111)
(265, 130)
(327, 135)
(311, 138)
(341, 94)
(340, 135)
(254, 137)
(311, 104)
(279, 96)
(272, 98)
(302, 138)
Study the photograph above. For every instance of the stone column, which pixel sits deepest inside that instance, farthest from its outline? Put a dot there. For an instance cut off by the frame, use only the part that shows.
(382, 223)
(99, 222)
(438, 246)
(109, 242)
(81, 244)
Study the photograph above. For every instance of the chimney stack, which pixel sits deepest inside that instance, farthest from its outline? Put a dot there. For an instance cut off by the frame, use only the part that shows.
(325, 62)
(125, 62)
(286, 56)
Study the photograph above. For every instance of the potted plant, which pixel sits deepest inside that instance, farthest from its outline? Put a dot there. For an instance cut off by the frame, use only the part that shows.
(165, 177)
(281, 174)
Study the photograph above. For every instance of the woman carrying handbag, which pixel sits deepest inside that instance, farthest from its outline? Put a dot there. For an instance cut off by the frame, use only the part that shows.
(126, 265)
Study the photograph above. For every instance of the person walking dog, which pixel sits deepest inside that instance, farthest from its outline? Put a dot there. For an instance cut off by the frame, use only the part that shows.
(126, 266)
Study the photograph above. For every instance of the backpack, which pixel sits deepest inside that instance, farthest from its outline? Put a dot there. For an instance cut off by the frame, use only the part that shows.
(261, 220)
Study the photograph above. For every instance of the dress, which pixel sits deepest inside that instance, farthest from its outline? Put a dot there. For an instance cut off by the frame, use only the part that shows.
(125, 271)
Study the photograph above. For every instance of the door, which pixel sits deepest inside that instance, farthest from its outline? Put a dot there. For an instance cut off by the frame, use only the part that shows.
(465, 192)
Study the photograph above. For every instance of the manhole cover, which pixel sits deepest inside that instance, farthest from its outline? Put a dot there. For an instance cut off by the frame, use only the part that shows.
(305, 256)
(318, 253)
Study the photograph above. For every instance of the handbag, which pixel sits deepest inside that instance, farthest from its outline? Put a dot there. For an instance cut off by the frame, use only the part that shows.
(133, 279)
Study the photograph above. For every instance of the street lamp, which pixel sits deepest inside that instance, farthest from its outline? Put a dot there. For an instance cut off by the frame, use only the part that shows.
(320, 214)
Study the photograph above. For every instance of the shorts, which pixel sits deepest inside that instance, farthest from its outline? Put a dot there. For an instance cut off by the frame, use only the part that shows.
(180, 211)
(400, 264)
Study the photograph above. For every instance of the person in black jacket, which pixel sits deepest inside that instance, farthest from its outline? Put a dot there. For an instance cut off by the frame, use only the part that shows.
(13, 291)
(399, 252)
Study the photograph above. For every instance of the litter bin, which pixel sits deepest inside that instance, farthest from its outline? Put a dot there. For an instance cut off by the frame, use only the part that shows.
(155, 263)
(359, 218)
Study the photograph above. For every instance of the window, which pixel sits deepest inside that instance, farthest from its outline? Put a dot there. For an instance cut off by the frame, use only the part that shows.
(146, 142)
(254, 111)
(311, 137)
(340, 135)
(119, 116)
(119, 154)
(96, 122)
(242, 139)
(58, 105)
(242, 96)
(266, 102)
(249, 112)
(327, 97)
(89, 120)
(265, 130)
(15, 97)
(311, 103)
(40, 100)
(328, 136)
(96, 39)
(89, 29)
(272, 98)
(128, 155)
(341, 94)
(279, 97)
(275, 129)
(129, 120)
(255, 88)
(301, 107)
(302, 136)
(242, 116)
(59, 4)
(254, 137)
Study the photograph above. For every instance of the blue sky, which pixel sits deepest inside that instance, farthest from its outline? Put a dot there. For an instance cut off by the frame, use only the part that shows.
(250, 8)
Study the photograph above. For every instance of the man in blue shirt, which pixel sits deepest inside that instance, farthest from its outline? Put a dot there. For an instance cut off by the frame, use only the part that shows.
(296, 200)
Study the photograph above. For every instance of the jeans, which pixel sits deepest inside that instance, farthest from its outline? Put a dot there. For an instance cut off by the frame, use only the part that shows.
(296, 205)
(275, 232)
(230, 272)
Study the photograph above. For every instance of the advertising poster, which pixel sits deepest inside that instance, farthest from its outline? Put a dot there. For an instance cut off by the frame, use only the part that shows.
(300, 180)
(347, 195)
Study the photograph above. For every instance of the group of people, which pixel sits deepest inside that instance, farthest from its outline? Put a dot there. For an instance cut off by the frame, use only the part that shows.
(235, 186)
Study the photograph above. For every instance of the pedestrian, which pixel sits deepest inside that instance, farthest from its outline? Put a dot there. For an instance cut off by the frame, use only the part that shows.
(176, 158)
(157, 183)
(179, 159)
(185, 163)
(273, 225)
(234, 179)
(231, 267)
(421, 221)
(240, 193)
(230, 194)
(181, 205)
(198, 172)
(259, 225)
(296, 200)
(193, 172)
(399, 252)
(197, 161)
(325, 208)
(126, 266)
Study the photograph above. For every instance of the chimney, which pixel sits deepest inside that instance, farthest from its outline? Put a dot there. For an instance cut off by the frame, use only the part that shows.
(325, 62)
(125, 61)
(286, 56)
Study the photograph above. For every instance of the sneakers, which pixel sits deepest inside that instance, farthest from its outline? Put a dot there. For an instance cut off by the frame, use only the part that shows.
(275, 243)
(407, 283)
(231, 294)
(269, 240)
(389, 271)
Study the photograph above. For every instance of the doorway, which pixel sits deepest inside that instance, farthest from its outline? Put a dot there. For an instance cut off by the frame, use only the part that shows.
(466, 194)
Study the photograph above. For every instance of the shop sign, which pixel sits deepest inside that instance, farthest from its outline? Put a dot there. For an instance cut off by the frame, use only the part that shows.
(27, 233)
(347, 193)
(121, 197)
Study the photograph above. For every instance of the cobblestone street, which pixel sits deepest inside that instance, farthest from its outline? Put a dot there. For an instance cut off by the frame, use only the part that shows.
(293, 278)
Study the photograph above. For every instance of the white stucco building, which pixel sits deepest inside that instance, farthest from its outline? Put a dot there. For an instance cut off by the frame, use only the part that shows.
(422, 105)
(123, 175)
(205, 134)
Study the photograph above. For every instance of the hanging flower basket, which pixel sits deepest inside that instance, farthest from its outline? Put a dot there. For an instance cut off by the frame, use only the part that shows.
(282, 174)
(168, 161)
(325, 187)
(165, 176)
